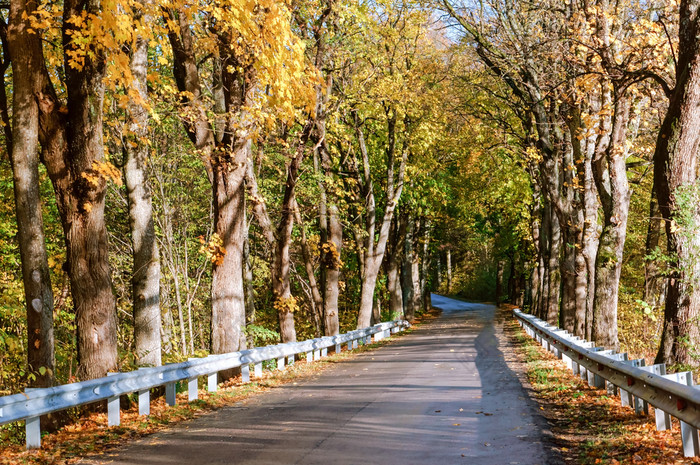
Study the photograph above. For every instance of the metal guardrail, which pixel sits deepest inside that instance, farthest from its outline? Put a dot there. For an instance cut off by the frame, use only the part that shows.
(638, 385)
(30, 405)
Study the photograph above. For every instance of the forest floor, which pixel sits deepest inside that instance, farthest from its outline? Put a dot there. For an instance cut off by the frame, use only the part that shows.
(588, 426)
(88, 434)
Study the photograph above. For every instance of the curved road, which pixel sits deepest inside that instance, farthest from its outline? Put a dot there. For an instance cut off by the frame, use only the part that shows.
(444, 394)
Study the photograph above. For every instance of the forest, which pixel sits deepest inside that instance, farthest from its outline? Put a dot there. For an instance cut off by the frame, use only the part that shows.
(180, 177)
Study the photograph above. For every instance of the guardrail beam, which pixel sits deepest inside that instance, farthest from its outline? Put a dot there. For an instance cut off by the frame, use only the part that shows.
(29, 407)
(639, 386)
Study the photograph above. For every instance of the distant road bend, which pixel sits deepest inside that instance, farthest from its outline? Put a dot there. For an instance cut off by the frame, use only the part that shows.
(442, 395)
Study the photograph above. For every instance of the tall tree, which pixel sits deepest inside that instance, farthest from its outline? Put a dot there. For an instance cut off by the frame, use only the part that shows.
(146, 272)
(675, 176)
(24, 155)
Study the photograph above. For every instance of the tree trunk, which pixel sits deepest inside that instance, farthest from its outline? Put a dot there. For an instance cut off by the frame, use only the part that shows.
(407, 270)
(675, 175)
(333, 263)
(78, 173)
(27, 60)
(449, 271)
(499, 281)
(374, 249)
(145, 280)
(228, 301)
(615, 197)
(393, 267)
(554, 272)
(249, 292)
(654, 283)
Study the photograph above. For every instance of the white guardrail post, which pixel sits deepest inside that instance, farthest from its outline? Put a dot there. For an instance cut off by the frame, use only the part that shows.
(33, 403)
(638, 385)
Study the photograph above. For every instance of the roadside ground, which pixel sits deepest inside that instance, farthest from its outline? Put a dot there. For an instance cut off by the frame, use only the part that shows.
(587, 425)
(89, 434)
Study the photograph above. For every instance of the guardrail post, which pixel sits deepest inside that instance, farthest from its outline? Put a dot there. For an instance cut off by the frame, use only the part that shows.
(309, 357)
(280, 363)
(32, 428)
(258, 370)
(245, 373)
(192, 391)
(338, 348)
(663, 419)
(324, 352)
(317, 354)
(626, 398)
(170, 393)
(378, 336)
(144, 397)
(290, 360)
(689, 434)
(113, 408)
(355, 343)
(212, 382)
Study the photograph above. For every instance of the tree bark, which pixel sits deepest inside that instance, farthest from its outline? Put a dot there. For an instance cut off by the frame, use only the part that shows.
(554, 272)
(407, 270)
(675, 175)
(225, 160)
(73, 152)
(654, 283)
(615, 195)
(393, 267)
(374, 249)
(145, 279)
(27, 60)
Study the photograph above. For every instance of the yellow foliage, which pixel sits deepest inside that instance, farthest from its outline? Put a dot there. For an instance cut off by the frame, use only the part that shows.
(286, 305)
(213, 249)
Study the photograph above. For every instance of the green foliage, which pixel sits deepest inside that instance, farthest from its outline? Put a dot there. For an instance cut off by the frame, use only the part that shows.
(261, 336)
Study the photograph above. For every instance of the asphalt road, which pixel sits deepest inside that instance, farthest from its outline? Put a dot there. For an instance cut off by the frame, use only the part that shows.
(445, 394)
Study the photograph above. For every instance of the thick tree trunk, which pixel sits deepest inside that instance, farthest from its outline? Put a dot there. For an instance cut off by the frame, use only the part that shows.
(145, 280)
(27, 60)
(87, 248)
(591, 233)
(332, 260)
(553, 272)
(228, 300)
(393, 276)
(615, 195)
(331, 234)
(675, 175)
